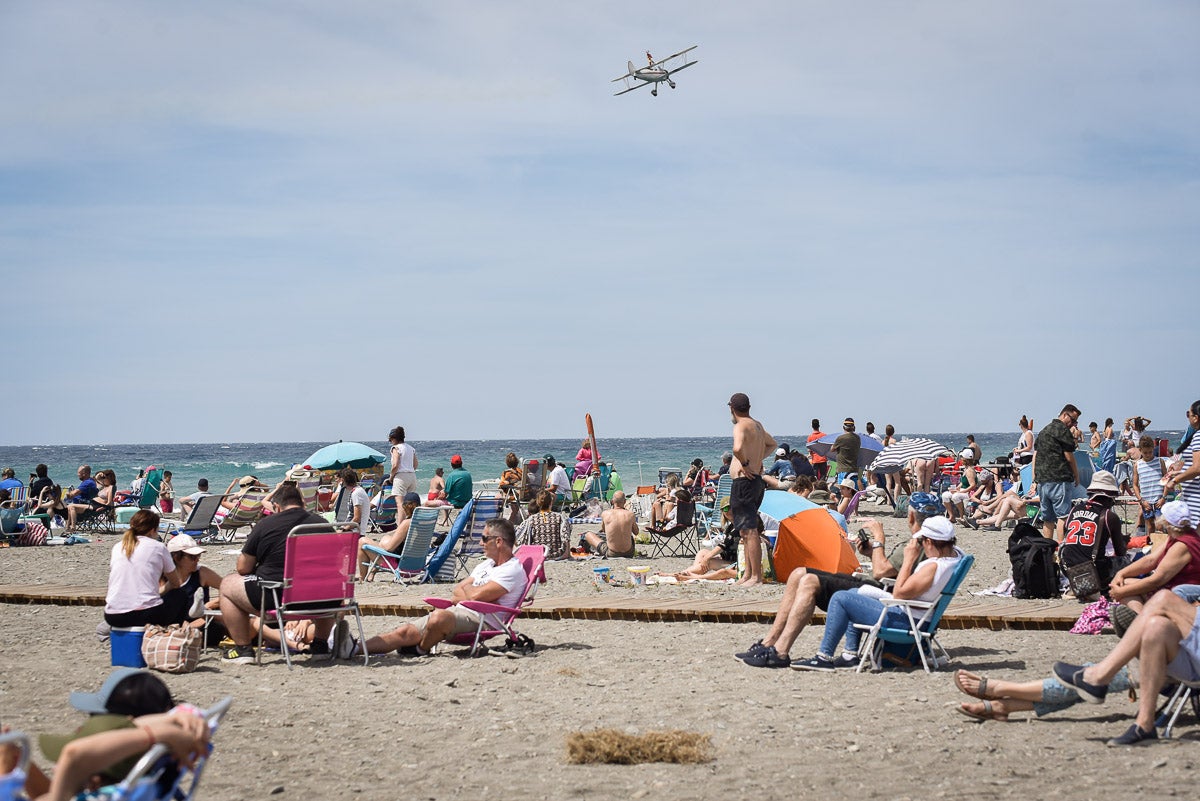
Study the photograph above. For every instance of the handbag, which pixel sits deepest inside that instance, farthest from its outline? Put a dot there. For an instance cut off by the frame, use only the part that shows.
(172, 649)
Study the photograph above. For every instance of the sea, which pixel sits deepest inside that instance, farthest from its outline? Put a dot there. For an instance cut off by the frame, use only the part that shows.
(637, 460)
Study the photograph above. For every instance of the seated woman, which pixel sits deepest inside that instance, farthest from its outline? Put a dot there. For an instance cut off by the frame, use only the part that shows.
(393, 541)
(920, 582)
(660, 524)
(664, 500)
(969, 487)
(139, 565)
(546, 527)
(1175, 562)
(131, 712)
(193, 576)
(583, 460)
(999, 699)
(239, 488)
(106, 480)
(697, 478)
(510, 486)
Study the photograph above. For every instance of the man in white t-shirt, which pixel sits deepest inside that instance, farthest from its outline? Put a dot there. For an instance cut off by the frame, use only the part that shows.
(556, 478)
(498, 579)
(353, 503)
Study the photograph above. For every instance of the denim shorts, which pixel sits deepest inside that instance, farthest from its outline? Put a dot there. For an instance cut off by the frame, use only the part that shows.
(1186, 664)
(1056, 500)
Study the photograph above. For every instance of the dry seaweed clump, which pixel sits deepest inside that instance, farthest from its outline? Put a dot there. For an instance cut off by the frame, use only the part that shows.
(618, 748)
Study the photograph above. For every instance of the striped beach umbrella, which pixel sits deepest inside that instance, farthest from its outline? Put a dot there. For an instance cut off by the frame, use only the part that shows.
(893, 458)
(868, 447)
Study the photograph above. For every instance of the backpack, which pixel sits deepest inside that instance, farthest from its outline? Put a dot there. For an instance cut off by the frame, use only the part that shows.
(1034, 568)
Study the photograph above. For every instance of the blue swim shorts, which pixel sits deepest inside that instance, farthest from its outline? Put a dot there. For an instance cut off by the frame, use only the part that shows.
(1056, 500)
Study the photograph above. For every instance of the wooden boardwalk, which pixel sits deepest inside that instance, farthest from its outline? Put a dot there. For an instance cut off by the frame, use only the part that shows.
(967, 612)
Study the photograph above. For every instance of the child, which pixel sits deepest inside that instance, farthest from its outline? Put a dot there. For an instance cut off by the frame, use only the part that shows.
(1147, 483)
(166, 494)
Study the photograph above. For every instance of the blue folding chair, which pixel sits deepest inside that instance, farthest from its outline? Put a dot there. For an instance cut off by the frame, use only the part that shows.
(708, 517)
(410, 563)
(483, 509)
(922, 632)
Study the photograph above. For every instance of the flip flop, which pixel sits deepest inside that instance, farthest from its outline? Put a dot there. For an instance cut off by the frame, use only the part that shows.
(980, 693)
(989, 713)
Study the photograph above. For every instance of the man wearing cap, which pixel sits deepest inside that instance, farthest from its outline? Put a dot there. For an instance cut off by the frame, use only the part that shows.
(781, 469)
(1055, 470)
(845, 453)
(188, 501)
(127, 712)
(556, 478)
(809, 589)
(751, 444)
(1090, 527)
(261, 559)
(459, 485)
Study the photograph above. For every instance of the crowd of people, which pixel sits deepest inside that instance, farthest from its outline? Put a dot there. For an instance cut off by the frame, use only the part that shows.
(153, 581)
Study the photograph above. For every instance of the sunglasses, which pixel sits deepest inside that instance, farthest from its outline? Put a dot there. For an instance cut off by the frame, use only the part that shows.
(486, 540)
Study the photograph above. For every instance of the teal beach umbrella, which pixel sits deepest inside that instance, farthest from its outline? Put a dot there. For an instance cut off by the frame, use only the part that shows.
(345, 454)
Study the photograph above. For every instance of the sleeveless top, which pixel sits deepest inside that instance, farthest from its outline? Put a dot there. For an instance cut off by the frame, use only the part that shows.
(406, 457)
(1191, 571)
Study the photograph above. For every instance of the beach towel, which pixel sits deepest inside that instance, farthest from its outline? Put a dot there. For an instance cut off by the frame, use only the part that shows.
(1093, 619)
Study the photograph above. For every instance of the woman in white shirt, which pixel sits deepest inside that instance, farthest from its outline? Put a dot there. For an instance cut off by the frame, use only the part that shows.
(139, 566)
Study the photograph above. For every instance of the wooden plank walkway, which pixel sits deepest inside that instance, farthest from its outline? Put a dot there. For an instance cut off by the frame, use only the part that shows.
(967, 612)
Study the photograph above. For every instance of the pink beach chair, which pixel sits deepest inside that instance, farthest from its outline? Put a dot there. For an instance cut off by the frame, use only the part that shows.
(496, 619)
(319, 566)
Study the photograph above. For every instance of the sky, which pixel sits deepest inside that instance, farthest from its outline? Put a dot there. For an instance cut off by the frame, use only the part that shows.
(279, 221)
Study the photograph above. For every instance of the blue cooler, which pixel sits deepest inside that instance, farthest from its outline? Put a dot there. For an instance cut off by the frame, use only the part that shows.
(127, 647)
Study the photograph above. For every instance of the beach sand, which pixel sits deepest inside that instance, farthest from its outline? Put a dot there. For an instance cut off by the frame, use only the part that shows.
(451, 727)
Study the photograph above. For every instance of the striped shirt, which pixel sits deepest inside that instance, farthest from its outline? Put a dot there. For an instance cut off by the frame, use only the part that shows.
(1150, 473)
(1189, 491)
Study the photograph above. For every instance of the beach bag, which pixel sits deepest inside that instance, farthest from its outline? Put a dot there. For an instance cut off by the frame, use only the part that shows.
(1084, 580)
(1034, 568)
(1093, 619)
(172, 649)
(901, 506)
(34, 533)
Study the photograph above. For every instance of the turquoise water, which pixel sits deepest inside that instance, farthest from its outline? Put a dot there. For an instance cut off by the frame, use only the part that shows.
(636, 460)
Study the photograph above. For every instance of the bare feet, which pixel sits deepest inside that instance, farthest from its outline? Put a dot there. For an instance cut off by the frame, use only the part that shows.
(749, 583)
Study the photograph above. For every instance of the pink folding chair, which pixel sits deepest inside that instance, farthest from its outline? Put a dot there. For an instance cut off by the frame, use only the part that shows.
(495, 619)
(319, 566)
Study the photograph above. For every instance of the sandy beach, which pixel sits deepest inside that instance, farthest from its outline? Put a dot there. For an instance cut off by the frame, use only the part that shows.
(451, 727)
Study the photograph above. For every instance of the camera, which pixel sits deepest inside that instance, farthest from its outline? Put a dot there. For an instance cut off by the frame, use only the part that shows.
(864, 541)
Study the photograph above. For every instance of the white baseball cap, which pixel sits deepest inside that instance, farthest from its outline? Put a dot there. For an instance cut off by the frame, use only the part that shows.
(183, 543)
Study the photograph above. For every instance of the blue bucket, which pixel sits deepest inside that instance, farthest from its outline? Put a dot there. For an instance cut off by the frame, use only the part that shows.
(127, 647)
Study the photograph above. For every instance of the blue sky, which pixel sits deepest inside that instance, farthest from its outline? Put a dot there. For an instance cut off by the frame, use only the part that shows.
(299, 221)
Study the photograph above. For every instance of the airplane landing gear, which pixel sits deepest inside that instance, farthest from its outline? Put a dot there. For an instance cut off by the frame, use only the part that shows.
(654, 91)
(671, 84)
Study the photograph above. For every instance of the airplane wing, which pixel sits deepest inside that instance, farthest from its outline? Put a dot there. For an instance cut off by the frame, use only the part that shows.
(637, 84)
(682, 55)
(684, 67)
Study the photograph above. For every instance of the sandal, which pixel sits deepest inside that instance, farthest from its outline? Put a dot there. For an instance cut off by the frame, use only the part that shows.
(989, 713)
(981, 693)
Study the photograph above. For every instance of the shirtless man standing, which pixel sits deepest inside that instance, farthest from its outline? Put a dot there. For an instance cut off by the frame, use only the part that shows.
(751, 444)
(618, 525)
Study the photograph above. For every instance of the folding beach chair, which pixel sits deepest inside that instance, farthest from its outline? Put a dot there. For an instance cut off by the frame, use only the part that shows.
(708, 516)
(158, 776)
(920, 632)
(495, 619)
(383, 516)
(308, 482)
(100, 519)
(199, 524)
(1187, 690)
(482, 509)
(532, 479)
(409, 564)
(678, 539)
(663, 472)
(442, 565)
(151, 489)
(319, 566)
(246, 511)
(12, 784)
